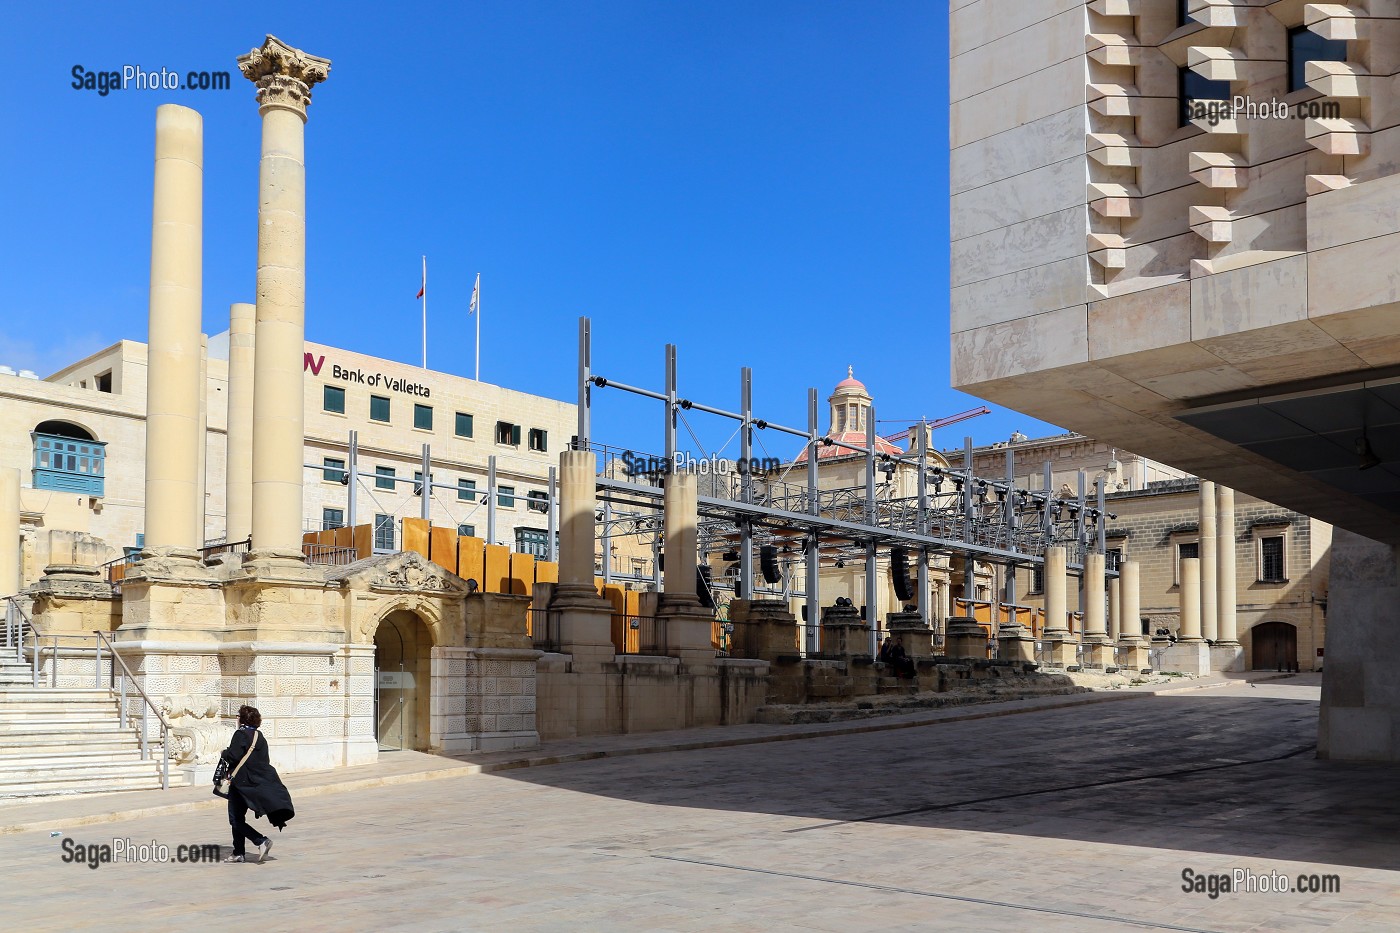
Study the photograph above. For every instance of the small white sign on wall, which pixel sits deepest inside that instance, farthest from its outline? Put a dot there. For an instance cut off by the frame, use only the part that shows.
(395, 680)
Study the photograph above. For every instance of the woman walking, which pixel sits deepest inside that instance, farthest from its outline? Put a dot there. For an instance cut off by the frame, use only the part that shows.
(253, 784)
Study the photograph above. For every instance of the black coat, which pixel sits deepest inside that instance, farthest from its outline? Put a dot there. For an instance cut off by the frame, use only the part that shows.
(257, 780)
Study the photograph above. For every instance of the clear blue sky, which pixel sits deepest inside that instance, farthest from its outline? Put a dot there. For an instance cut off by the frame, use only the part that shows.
(762, 184)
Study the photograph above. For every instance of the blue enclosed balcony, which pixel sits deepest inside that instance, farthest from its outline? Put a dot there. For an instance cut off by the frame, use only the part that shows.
(68, 459)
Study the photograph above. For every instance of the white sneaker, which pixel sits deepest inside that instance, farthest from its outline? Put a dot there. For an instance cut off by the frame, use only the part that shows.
(265, 848)
(234, 858)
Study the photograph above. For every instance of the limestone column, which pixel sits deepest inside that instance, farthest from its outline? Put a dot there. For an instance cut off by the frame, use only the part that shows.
(1115, 604)
(201, 476)
(1063, 649)
(239, 461)
(172, 392)
(1225, 553)
(681, 514)
(1100, 648)
(1209, 563)
(1132, 646)
(585, 617)
(11, 579)
(284, 77)
(1190, 594)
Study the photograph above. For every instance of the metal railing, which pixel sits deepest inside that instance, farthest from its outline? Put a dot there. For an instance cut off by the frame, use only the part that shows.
(215, 548)
(329, 554)
(18, 627)
(146, 705)
(544, 629)
(642, 635)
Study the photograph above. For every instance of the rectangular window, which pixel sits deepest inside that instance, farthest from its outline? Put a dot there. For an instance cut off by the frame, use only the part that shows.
(505, 497)
(1271, 560)
(1112, 558)
(1202, 92)
(1306, 46)
(418, 482)
(332, 518)
(1038, 578)
(532, 541)
(384, 477)
(539, 439)
(463, 427)
(423, 417)
(104, 381)
(333, 470)
(379, 408)
(538, 500)
(507, 433)
(333, 399)
(467, 531)
(383, 532)
(466, 490)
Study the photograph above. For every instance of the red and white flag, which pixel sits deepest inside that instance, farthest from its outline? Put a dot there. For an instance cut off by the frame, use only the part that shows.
(422, 289)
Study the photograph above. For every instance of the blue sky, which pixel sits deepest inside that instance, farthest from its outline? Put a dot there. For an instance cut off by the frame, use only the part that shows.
(761, 184)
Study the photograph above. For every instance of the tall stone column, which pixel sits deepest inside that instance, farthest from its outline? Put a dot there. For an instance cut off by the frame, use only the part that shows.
(1062, 644)
(1209, 563)
(1132, 654)
(1096, 640)
(11, 578)
(585, 617)
(688, 624)
(201, 498)
(1115, 605)
(1227, 655)
(239, 461)
(1190, 593)
(172, 389)
(284, 77)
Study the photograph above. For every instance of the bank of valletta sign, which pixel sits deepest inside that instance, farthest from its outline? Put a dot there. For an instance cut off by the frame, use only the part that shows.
(313, 364)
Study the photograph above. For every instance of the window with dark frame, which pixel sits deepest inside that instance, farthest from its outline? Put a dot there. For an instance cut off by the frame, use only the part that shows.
(507, 433)
(463, 426)
(539, 439)
(1192, 87)
(1112, 558)
(466, 531)
(383, 532)
(379, 408)
(332, 518)
(1038, 578)
(538, 501)
(333, 399)
(1306, 46)
(1271, 560)
(532, 541)
(505, 497)
(383, 477)
(466, 490)
(332, 470)
(418, 482)
(423, 417)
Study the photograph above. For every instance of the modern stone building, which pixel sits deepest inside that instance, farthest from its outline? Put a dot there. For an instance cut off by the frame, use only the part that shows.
(1173, 226)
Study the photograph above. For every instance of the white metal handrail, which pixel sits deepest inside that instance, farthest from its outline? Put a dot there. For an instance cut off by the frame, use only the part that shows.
(17, 628)
(147, 704)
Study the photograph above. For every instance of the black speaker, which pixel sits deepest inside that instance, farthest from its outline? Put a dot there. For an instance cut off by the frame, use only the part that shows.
(899, 570)
(702, 586)
(768, 562)
(804, 612)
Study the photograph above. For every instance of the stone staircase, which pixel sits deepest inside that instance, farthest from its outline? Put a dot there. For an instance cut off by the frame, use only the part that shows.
(66, 741)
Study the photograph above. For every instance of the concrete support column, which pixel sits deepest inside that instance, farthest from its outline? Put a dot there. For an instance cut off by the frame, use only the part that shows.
(284, 77)
(173, 354)
(239, 460)
(1096, 640)
(11, 578)
(1209, 563)
(1132, 647)
(1190, 594)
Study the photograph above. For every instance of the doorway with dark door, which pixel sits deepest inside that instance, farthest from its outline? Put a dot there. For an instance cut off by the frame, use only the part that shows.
(1274, 647)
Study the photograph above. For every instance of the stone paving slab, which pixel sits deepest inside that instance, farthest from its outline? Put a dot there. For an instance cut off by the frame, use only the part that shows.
(1076, 819)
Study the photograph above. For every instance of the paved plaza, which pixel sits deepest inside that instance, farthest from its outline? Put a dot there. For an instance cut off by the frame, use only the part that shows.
(1080, 818)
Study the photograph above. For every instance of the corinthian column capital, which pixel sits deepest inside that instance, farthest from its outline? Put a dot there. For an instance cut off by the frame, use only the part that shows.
(284, 76)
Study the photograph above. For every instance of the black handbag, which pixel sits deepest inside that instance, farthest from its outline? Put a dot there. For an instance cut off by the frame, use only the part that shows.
(222, 779)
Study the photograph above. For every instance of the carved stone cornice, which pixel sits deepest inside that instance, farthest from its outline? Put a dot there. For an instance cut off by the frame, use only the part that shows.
(284, 76)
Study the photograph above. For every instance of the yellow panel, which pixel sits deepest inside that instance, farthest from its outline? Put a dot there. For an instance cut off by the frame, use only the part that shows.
(416, 534)
(308, 538)
(522, 573)
(633, 602)
(343, 537)
(497, 569)
(363, 539)
(471, 562)
(546, 572)
(442, 549)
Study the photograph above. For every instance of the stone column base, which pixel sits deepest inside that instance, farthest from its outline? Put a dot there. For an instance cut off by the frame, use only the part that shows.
(1063, 649)
(965, 639)
(1132, 654)
(909, 628)
(1227, 656)
(1014, 643)
(1187, 657)
(1098, 652)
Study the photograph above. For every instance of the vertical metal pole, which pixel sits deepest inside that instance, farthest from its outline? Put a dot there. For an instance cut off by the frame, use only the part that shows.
(121, 703)
(813, 543)
(746, 482)
(656, 553)
(97, 672)
(924, 615)
(553, 549)
(1009, 504)
(585, 376)
(425, 508)
(1102, 520)
(967, 488)
(144, 751)
(607, 542)
(670, 405)
(352, 465)
(1079, 523)
(1048, 519)
(53, 664)
(872, 579)
(491, 499)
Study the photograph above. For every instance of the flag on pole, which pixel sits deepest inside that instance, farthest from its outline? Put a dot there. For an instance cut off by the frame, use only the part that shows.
(422, 289)
(476, 295)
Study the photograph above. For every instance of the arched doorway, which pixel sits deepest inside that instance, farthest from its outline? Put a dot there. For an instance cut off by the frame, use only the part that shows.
(1274, 646)
(402, 690)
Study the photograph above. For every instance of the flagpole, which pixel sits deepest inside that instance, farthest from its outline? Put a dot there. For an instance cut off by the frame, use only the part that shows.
(477, 377)
(425, 312)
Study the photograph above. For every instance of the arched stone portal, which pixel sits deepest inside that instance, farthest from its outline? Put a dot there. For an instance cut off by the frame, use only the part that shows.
(403, 647)
(1274, 646)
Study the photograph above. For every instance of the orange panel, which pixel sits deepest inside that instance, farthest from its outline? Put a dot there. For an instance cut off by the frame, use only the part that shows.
(471, 560)
(522, 573)
(416, 535)
(546, 572)
(308, 538)
(632, 602)
(362, 539)
(442, 547)
(344, 537)
(497, 569)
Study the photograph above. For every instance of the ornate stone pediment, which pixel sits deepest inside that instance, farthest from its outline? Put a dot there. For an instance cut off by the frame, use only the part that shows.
(405, 572)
